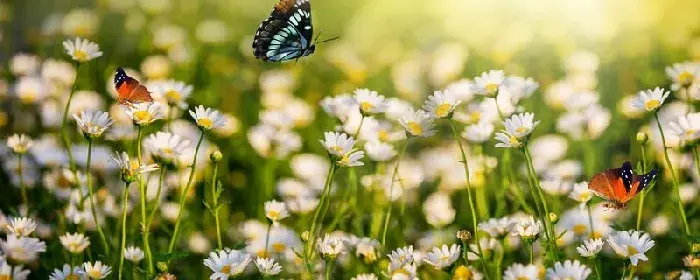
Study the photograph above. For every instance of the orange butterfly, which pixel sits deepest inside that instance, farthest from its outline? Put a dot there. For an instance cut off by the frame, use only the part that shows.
(129, 89)
(619, 185)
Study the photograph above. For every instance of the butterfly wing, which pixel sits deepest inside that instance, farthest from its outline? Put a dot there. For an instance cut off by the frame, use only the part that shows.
(286, 34)
(129, 89)
(608, 184)
(639, 183)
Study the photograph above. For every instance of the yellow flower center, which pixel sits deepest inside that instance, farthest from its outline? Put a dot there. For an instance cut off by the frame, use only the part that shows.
(631, 250)
(521, 129)
(514, 141)
(651, 104)
(580, 229)
(415, 128)
(443, 110)
(337, 149)
(5, 277)
(95, 273)
(142, 116)
(522, 278)
(344, 161)
(383, 135)
(133, 165)
(685, 78)
(366, 106)
(205, 123)
(72, 276)
(168, 151)
(226, 269)
(584, 196)
(278, 247)
(80, 55)
(490, 88)
(462, 273)
(475, 116)
(273, 215)
(173, 95)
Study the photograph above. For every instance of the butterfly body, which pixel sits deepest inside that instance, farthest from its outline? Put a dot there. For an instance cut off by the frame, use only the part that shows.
(619, 185)
(286, 34)
(130, 91)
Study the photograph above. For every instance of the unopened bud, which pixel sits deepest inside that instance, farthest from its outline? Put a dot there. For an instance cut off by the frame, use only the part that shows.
(162, 266)
(216, 156)
(696, 248)
(305, 236)
(642, 138)
(464, 235)
(553, 218)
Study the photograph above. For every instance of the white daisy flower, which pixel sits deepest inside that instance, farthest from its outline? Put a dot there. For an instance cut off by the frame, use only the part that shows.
(133, 254)
(464, 272)
(581, 193)
(174, 93)
(507, 141)
(569, 270)
(687, 127)
(93, 124)
(23, 64)
(227, 263)
(489, 82)
(352, 159)
(276, 211)
(21, 226)
(650, 100)
(555, 186)
(631, 244)
(418, 123)
(478, 133)
(82, 50)
(207, 118)
(97, 270)
(145, 113)
(444, 256)
(683, 74)
(165, 147)
(330, 246)
(370, 101)
(518, 88)
(22, 249)
(131, 168)
(527, 227)
(19, 143)
(338, 144)
(498, 227)
(441, 104)
(268, 266)
(520, 125)
(380, 151)
(75, 243)
(340, 106)
(521, 272)
(488, 246)
(67, 273)
(15, 273)
(367, 249)
(365, 276)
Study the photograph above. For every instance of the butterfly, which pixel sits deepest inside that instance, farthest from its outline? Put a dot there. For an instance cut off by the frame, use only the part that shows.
(286, 34)
(130, 91)
(620, 185)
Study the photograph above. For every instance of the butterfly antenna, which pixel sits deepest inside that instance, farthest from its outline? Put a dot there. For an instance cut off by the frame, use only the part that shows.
(328, 40)
(318, 35)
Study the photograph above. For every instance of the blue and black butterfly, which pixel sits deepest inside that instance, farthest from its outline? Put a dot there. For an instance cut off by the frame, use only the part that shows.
(287, 34)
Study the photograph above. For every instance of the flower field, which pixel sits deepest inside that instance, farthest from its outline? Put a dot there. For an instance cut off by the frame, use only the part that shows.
(392, 139)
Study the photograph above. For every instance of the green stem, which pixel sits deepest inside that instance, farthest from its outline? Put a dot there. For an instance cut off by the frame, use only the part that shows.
(309, 250)
(267, 238)
(549, 228)
(64, 135)
(532, 251)
(390, 203)
(125, 197)
(596, 267)
(590, 219)
(145, 230)
(92, 199)
(157, 202)
(329, 267)
(640, 206)
(469, 193)
(632, 271)
(215, 208)
(171, 247)
(681, 210)
(23, 190)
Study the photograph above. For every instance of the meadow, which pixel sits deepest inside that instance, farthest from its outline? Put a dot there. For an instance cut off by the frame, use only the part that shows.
(445, 139)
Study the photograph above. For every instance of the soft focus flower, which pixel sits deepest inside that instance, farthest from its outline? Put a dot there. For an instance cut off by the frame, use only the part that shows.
(370, 102)
(156, 67)
(82, 50)
(330, 246)
(22, 249)
(438, 209)
(581, 193)
(227, 263)
(569, 270)
(631, 245)
(133, 254)
(80, 22)
(341, 146)
(15, 273)
(478, 133)
(441, 104)
(590, 248)
(165, 147)
(68, 273)
(507, 141)
(687, 127)
(365, 276)
(527, 228)
(145, 113)
(131, 168)
(207, 118)
(93, 124)
(276, 211)
(267, 266)
(418, 123)
(520, 125)
(174, 93)
(650, 100)
(212, 31)
(75, 243)
(488, 247)
(30, 89)
(441, 257)
(498, 227)
(379, 151)
(521, 272)
(21, 226)
(466, 273)
(97, 270)
(489, 82)
(19, 143)
(683, 74)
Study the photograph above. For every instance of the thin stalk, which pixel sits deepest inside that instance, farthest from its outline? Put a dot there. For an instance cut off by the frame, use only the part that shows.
(125, 197)
(145, 230)
(387, 216)
(469, 193)
(681, 210)
(312, 232)
(215, 209)
(23, 190)
(329, 267)
(157, 203)
(532, 251)
(590, 219)
(643, 195)
(93, 208)
(549, 228)
(632, 271)
(171, 247)
(596, 267)
(267, 238)
(64, 135)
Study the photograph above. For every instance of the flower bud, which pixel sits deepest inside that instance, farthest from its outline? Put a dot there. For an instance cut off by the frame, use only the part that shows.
(553, 217)
(216, 156)
(305, 236)
(642, 138)
(162, 266)
(464, 235)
